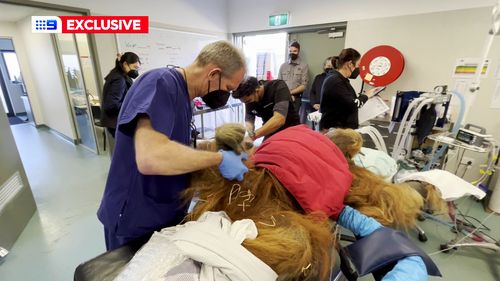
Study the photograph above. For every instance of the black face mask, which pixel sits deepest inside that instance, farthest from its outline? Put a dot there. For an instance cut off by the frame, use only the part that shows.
(328, 69)
(293, 56)
(133, 73)
(355, 73)
(217, 98)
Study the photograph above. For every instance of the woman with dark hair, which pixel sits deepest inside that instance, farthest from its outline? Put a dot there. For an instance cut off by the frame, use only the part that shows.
(118, 81)
(339, 102)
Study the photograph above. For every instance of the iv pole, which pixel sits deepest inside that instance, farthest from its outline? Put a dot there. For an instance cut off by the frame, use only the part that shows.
(495, 30)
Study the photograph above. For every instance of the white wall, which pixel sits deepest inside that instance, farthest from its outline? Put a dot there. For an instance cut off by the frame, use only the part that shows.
(10, 30)
(47, 80)
(253, 15)
(106, 49)
(431, 44)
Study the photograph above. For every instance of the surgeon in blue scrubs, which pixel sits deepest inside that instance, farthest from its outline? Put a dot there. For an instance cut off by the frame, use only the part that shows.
(152, 160)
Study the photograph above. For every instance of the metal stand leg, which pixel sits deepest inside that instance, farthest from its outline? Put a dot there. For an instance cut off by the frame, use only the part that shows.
(202, 126)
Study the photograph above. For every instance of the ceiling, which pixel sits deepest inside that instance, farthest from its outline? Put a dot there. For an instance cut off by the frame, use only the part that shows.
(14, 13)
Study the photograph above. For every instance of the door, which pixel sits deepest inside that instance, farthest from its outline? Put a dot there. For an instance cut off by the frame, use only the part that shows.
(92, 91)
(14, 94)
(315, 47)
(76, 90)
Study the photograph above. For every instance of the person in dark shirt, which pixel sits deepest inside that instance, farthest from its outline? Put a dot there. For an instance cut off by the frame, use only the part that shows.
(118, 82)
(315, 94)
(339, 102)
(270, 100)
(153, 157)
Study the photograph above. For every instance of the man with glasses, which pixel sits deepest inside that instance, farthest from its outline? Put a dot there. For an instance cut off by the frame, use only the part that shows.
(152, 160)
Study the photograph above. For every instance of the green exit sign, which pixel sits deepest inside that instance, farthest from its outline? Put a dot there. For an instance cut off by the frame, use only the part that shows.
(279, 19)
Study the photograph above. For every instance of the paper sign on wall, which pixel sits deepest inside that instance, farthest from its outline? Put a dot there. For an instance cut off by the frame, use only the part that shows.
(466, 68)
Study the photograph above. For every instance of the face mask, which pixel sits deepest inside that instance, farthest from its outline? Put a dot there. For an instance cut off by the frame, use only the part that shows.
(293, 56)
(328, 69)
(355, 73)
(133, 73)
(217, 98)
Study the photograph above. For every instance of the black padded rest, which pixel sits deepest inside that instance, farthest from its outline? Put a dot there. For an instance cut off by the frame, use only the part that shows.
(378, 250)
(107, 266)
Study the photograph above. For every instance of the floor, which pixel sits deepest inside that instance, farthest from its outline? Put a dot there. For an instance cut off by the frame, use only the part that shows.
(14, 120)
(68, 181)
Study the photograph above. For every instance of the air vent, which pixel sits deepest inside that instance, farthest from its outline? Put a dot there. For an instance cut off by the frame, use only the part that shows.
(9, 189)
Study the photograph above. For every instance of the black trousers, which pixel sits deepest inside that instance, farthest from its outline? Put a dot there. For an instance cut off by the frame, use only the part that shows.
(111, 131)
(297, 103)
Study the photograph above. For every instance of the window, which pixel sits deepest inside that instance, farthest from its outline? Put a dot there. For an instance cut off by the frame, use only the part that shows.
(264, 54)
(12, 66)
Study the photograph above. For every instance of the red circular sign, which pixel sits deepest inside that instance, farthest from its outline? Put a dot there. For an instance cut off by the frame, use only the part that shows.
(381, 65)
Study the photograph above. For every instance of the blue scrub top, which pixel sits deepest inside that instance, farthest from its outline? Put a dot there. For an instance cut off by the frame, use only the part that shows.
(134, 204)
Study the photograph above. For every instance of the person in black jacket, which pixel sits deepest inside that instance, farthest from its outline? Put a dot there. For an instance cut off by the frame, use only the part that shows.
(270, 100)
(339, 102)
(118, 81)
(315, 94)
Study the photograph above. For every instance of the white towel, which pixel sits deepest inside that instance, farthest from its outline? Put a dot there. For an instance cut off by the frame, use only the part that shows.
(216, 243)
(451, 186)
(213, 240)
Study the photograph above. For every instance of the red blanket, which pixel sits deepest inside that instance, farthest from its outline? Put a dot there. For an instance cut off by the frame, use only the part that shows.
(310, 166)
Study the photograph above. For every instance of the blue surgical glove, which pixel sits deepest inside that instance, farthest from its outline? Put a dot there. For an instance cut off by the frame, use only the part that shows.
(408, 269)
(232, 166)
(359, 224)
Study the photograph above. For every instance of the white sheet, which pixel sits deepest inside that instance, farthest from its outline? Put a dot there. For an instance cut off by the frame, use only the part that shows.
(451, 186)
(213, 240)
(376, 161)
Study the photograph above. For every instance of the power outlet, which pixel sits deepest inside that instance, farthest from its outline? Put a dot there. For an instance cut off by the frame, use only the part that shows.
(467, 161)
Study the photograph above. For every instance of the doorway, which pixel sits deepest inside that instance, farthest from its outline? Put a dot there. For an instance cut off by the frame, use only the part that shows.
(315, 46)
(264, 54)
(266, 51)
(80, 83)
(13, 92)
(60, 101)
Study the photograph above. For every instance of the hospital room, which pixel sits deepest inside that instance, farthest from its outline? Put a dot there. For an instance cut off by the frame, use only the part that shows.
(185, 140)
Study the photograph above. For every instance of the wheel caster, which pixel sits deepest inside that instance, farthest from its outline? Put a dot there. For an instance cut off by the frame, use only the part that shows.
(445, 248)
(422, 237)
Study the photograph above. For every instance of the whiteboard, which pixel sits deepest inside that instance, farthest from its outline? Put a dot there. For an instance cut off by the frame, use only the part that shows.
(161, 47)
